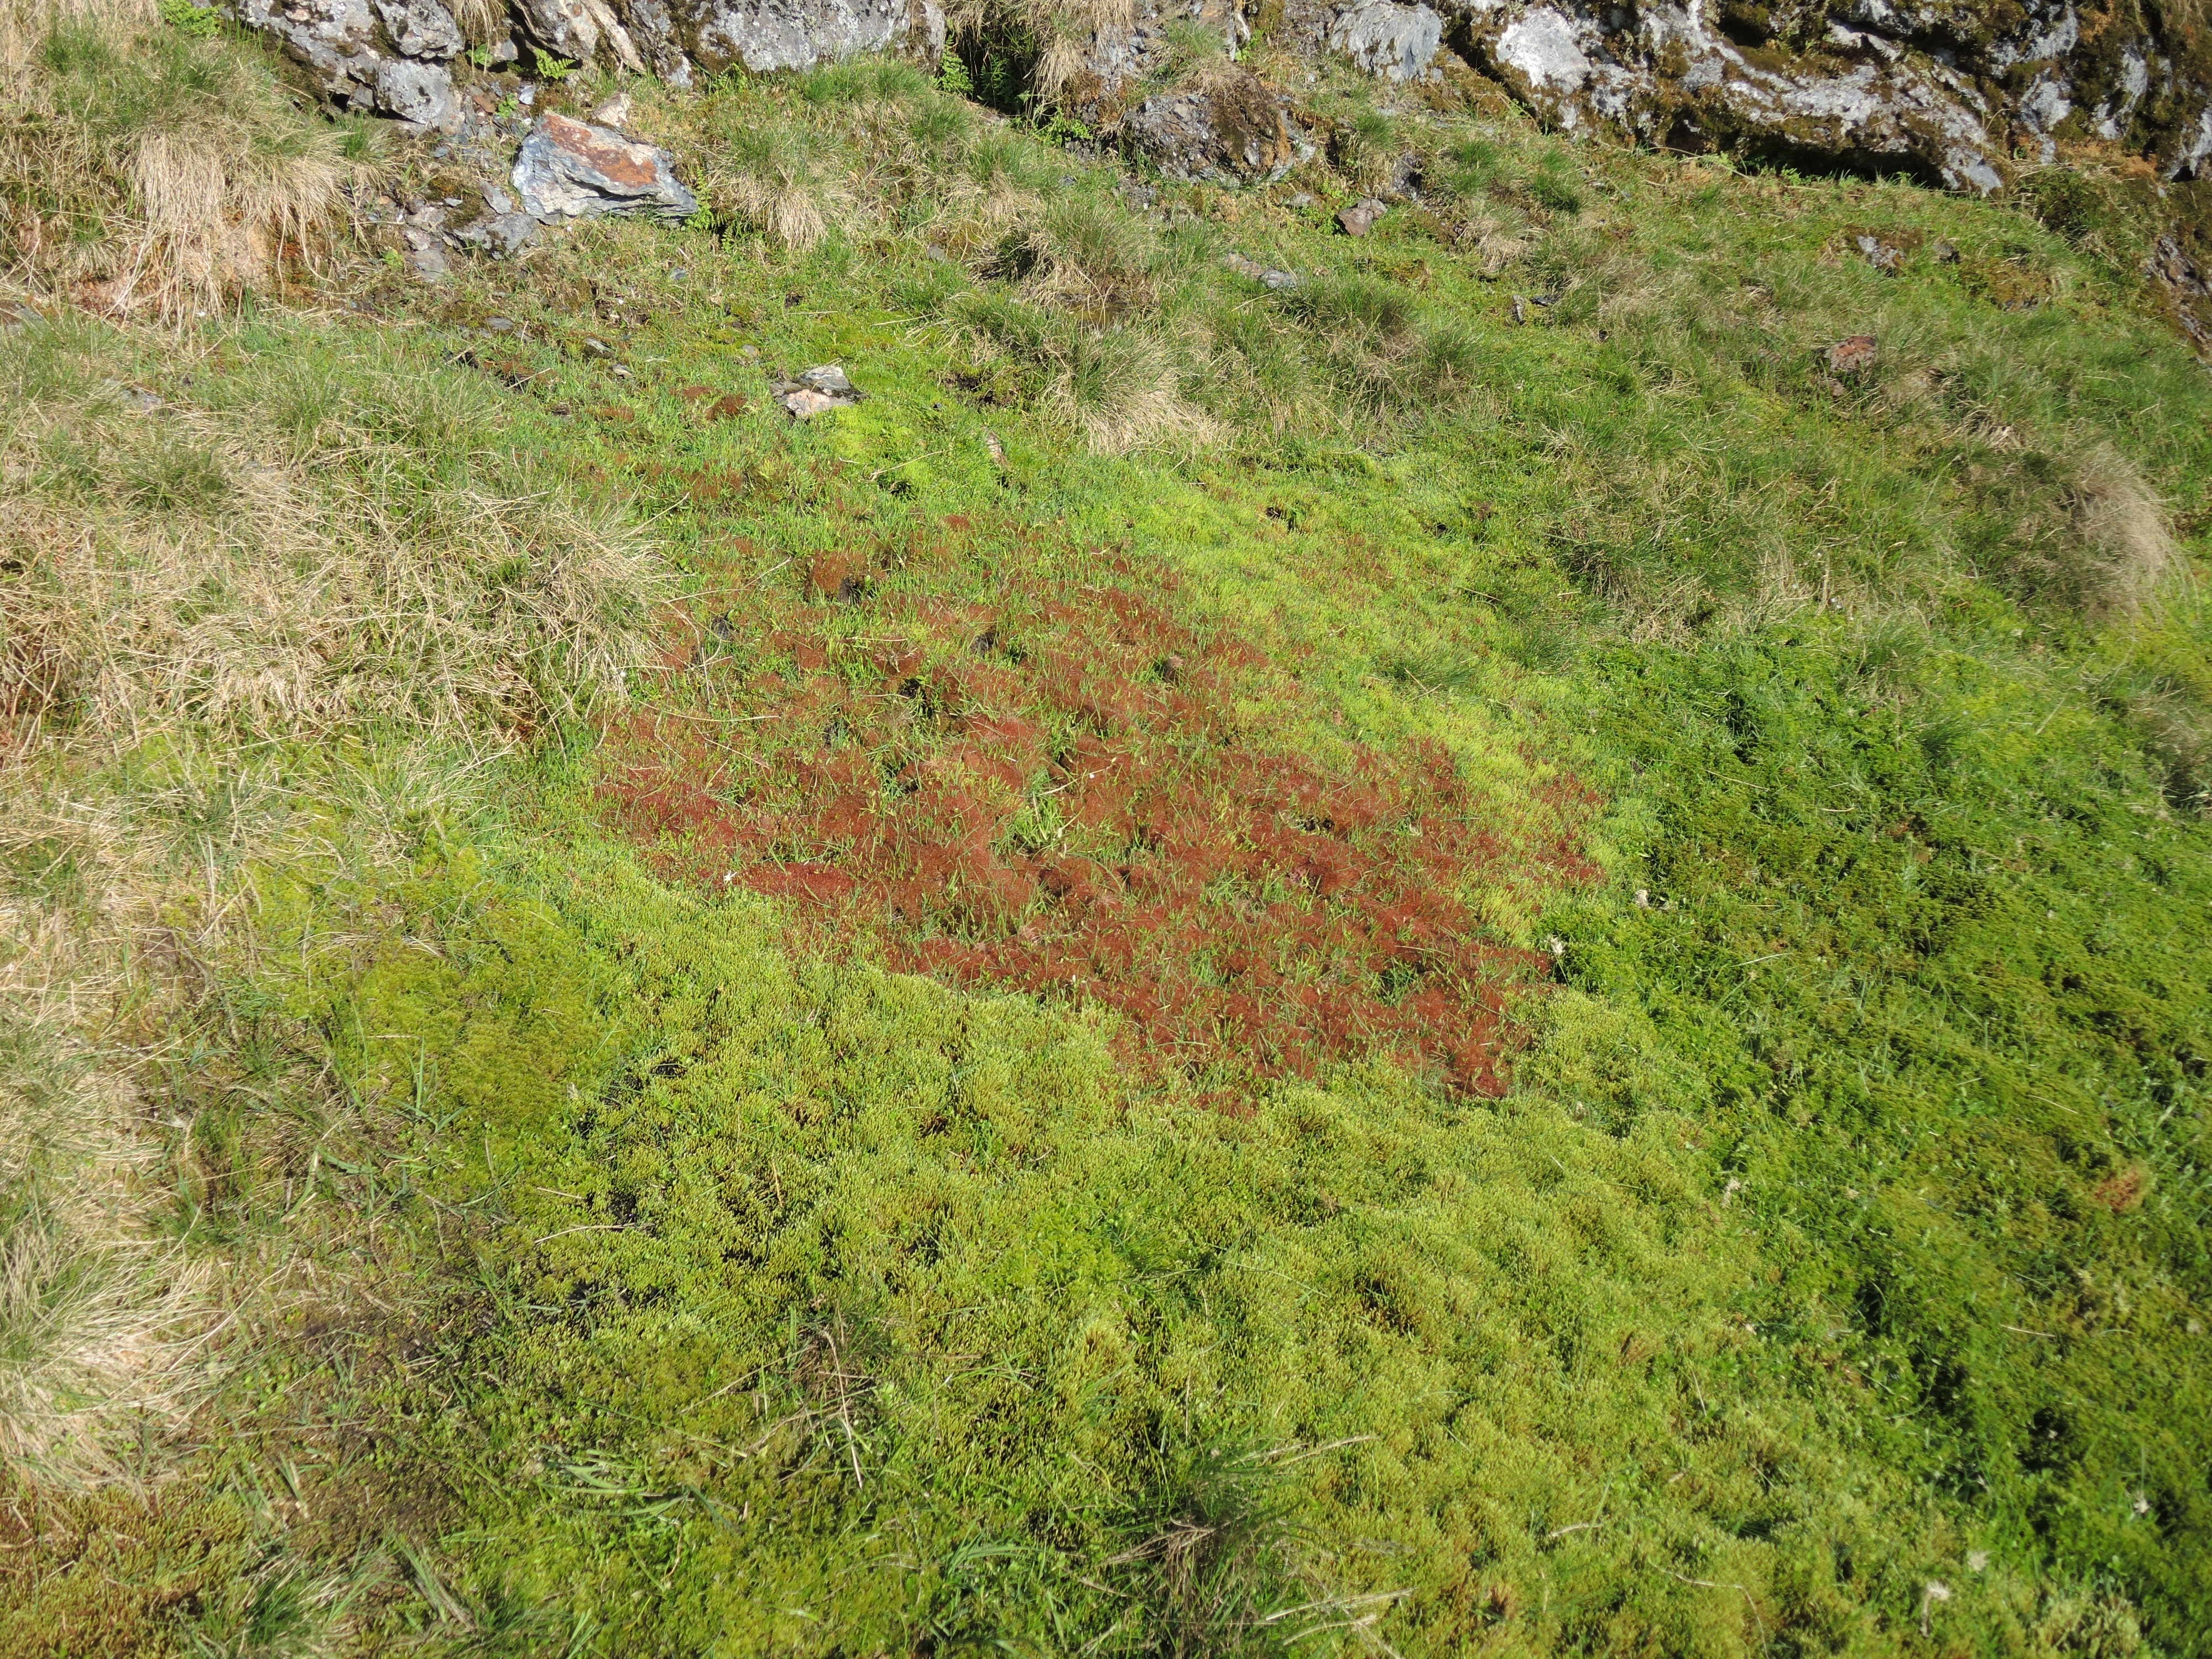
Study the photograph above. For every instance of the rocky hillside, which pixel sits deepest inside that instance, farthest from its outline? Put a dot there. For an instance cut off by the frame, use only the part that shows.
(1956, 93)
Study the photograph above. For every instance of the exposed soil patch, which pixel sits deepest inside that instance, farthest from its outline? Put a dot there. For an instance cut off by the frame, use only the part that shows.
(1073, 790)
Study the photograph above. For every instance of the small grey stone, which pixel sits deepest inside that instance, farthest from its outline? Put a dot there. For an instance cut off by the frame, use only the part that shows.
(1266, 276)
(829, 378)
(1359, 218)
(816, 391)
(426, 255)
(502, 234)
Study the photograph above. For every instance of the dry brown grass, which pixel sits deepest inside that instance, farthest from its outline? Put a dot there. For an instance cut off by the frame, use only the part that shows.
(144, 170)
(768, 180)
(203, 575)
(97, 1322)
(1066, 32)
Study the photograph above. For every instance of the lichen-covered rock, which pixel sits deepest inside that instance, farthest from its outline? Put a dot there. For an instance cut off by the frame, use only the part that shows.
(1231, 129)
(1669, 78)
(336, 41)
(1386, 39)
(1946, 90)
(570, 169)
(1123, 56)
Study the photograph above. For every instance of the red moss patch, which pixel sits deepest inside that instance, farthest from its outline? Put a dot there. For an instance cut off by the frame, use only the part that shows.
(1071, 790)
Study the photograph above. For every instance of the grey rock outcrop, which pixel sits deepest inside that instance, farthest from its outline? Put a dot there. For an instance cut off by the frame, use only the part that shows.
(761, 35)
(1941, 89)
(571, 170)
(579, 30)
(336, 41)
(1952, 91)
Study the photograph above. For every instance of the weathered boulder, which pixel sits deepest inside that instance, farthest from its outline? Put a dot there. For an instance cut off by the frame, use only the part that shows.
(1230, 129)
(569, 169)
(337, 40)
(421, 28)
(421, 94)
(1386, 39)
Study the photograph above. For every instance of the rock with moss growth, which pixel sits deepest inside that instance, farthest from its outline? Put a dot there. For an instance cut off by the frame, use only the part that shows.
(1230, 129)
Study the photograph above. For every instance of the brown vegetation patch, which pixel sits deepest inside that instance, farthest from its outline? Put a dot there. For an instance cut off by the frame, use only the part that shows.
(2121, 1191)
(1073, 790)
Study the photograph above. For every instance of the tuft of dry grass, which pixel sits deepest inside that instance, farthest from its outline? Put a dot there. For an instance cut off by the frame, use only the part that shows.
(1121, 388)
(143, 169)
(767, 180)
(482, 22)
(1085, 257)
(2126, 549)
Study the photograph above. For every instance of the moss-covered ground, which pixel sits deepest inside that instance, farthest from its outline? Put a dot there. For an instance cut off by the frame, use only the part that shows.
(1815, 1261)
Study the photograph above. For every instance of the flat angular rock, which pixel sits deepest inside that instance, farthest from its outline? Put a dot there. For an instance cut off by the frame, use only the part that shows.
(501, 234)
(569, 169)
(426, 253)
